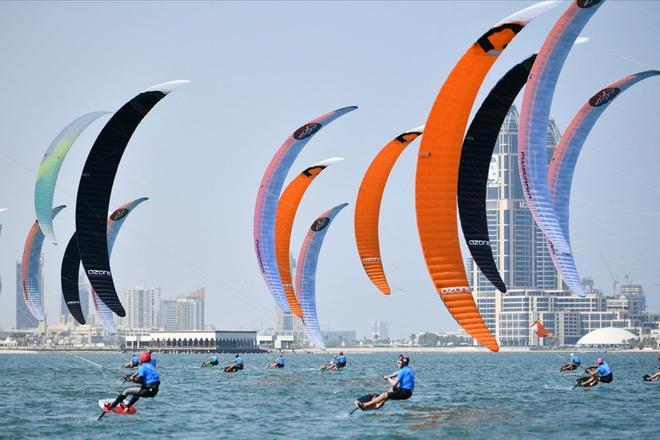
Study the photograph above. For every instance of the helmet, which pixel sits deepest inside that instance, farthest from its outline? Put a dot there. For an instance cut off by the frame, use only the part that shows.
(341, 353)
(599, 361)
(145, 357)
(572, 354)
(404, 359)
(237, 355)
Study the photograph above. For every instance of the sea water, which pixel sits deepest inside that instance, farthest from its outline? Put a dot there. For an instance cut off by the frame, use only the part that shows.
(457, 395)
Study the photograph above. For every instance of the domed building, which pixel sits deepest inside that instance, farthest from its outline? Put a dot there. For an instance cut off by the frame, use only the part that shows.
(604, 338)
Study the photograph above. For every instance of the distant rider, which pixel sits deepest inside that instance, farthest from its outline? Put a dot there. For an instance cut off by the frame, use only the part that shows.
(146, 376)
(654, 376)
(573, 364)
(341, 360)
(213, 360)
(279, 363)
(402, 385)
(236, 365)
(133, 362)
(601, 373)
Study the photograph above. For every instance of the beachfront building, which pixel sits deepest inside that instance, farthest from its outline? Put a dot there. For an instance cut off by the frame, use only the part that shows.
(222, 341)
(606, 338)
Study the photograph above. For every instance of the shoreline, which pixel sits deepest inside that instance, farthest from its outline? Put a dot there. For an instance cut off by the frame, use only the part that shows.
(355, 350)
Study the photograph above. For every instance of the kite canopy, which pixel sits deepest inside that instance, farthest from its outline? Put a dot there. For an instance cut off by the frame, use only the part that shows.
(437, 172)
(286, 214)
(475, 162)
(367, 206)
(71, 266)
(265, 210)
(50, 169)
(564, 160)
(535, 113)
(539, 330)
(96, 186)
(306, 273)
(31, 269)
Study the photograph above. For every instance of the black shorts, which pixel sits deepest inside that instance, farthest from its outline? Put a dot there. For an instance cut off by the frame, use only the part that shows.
(342, 365)
(279, 365)
(214, 363)
(606, 379)
(399, 394)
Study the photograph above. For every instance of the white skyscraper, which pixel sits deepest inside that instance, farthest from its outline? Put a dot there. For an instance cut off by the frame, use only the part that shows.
(141, 309)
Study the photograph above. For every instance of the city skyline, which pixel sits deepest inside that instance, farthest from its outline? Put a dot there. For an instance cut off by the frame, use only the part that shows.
(199, 156)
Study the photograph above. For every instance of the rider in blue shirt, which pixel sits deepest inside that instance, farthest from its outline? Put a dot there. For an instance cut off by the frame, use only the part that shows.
(575, 359)
(146, 376)
(572, 364)
(212, 361)
(236, 365)
(279, 363)
(601, 373)
(133, 362)
(403, 384)
(341, 360)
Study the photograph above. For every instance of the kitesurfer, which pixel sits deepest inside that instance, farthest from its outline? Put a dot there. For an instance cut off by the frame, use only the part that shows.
(653, 377)
(572, 364)
(212, 361)
(236, 365)
(332, 365)
(146, 376)
(402, 388)
(601, 372)
(341, 360)
(133, 362)
(279, 363)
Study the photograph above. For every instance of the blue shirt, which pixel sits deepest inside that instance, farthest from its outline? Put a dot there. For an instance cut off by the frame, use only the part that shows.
(280, 360)
(604, 369)
(406, 378)
(575, 359)
(135, 359)
(238, 361)
(341, 359)
(148, 373)
(214, 358)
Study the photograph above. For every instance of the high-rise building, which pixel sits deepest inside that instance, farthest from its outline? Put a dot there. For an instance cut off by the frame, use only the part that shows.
(167, 315)
(140, 305)
(190, 310)
(379, 331)
(517, 242)
(24, 319)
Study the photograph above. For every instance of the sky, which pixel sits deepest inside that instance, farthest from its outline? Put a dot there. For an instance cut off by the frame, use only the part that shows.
(259, 70)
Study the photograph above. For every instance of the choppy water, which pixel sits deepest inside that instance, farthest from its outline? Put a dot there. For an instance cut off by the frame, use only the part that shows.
(457, 395)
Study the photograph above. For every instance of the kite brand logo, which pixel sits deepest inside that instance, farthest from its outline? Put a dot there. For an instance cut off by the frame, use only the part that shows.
(119, 214)
(287, 286)
(320, 223)
(313, 171)
(71, 303)
(603, 97)
(488, 47)
(102, 272)
(584, 4)
(461, 289)
(307, 130)
(371, 260)
(523, 174)
(479, 243)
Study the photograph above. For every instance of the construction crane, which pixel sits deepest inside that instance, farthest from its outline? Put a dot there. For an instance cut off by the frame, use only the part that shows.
(615, 281)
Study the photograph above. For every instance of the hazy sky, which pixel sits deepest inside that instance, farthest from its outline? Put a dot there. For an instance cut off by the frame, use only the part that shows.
(259, 71)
